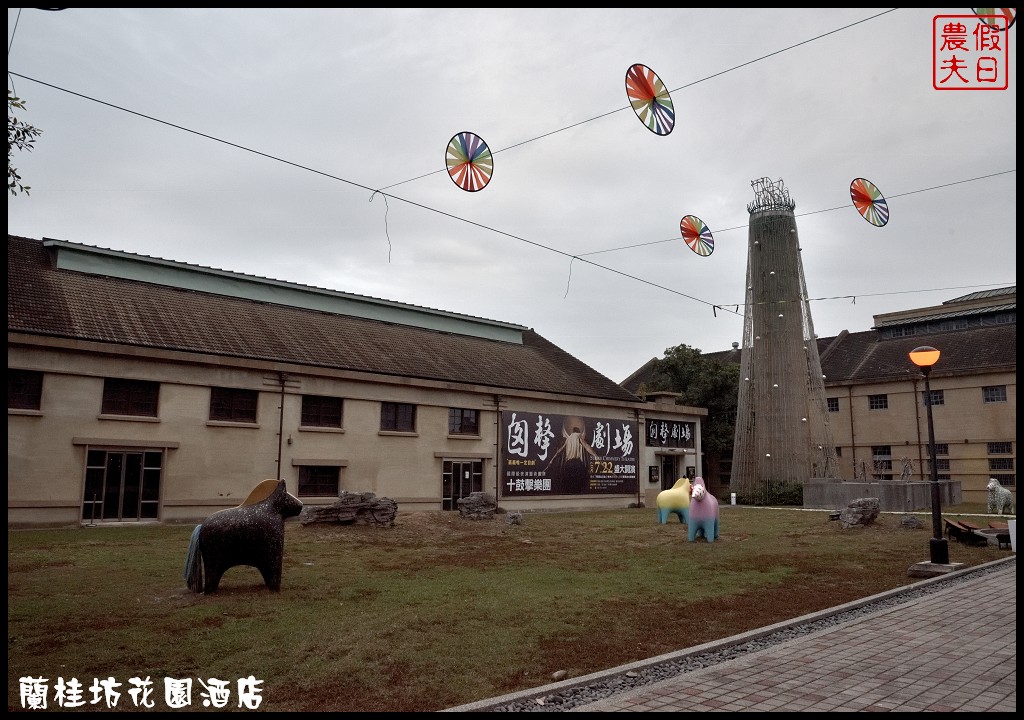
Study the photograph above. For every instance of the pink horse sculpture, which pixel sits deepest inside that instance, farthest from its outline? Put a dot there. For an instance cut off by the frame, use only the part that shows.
(703, 514)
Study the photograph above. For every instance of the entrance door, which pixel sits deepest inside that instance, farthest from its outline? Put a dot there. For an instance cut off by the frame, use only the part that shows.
(669, 471)
(459, 478)
(122, 485)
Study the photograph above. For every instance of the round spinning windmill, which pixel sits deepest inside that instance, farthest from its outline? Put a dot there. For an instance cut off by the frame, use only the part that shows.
(650, 99)
(469, 160)
(999, 18)
(869, 202)
(697, 235)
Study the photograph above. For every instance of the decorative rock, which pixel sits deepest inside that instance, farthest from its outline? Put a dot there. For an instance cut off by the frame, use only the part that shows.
(477, 506)
(861, 511)
(559, 675)
(351, 508)
(514, 518)
(910, 522)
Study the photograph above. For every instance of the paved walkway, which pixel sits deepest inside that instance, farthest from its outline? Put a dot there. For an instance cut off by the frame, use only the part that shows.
(950, 650)
(954, 650)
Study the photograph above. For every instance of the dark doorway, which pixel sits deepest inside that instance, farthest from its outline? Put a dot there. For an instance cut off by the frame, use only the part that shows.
(669, 471)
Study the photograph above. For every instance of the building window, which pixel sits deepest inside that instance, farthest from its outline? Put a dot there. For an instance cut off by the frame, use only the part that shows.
(130, 397)
(24, 389)
(878, 402)
(122, 485)
(881, 457)
(833, 404)
(839, 452)
(1000, 463)
(398, 417)
(938, 398)
(994, 393)
(942, 464)
(233, 404)
(321, 411)
(1000, 448)
(942, 448)
(463, 422)
(319, 481)
(1006, 480)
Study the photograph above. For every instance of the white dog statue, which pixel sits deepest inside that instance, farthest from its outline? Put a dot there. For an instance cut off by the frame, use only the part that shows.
(1000, 500)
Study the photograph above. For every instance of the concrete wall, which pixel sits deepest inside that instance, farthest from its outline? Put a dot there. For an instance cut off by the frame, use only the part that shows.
(894, 496)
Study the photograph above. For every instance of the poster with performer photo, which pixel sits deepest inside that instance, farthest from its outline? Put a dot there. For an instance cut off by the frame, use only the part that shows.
(546, 454)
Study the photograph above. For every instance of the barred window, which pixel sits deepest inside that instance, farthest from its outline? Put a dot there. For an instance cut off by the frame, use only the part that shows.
(233, 404)
(993, 393)
(881, 458)
(1000, 463)
(321, 411)
(1000, 448)
(882, 454)
(129, 397)
(878, 402)
(319, 481)
(463, 422)
(398, 417)
(833, 404)
(24, 389)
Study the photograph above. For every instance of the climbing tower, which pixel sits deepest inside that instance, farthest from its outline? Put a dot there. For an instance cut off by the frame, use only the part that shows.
(782, 432)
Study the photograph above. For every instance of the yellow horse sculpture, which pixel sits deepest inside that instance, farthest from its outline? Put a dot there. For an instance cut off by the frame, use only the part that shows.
(674, 500)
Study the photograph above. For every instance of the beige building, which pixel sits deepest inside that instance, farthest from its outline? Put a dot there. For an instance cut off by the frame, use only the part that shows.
(875, 394)
(147, 389)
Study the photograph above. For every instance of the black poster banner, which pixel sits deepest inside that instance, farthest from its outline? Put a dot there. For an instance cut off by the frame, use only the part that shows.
(547, 454)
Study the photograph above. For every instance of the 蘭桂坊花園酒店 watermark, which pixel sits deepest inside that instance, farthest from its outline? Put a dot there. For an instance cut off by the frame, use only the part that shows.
(107, 692)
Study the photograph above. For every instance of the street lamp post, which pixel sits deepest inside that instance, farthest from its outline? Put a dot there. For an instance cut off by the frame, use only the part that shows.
(925, 357)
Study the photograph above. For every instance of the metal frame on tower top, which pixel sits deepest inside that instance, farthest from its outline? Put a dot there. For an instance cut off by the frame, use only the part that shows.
(770, 196)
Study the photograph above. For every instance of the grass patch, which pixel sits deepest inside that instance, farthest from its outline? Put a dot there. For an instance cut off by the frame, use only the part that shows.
(438, 610)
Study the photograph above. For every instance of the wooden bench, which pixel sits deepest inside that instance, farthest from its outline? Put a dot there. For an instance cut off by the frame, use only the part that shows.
(1002, 534)
(964, 532)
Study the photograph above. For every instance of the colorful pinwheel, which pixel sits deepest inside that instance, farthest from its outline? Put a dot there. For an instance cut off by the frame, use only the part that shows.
(869, 202)
(697, 235)
(470, 163)
(650, 100)
(1003, 17)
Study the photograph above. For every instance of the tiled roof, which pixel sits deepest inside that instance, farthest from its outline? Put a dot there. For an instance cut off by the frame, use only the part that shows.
(987, 310)
(864, 357)
(983, 294)
(44, 300)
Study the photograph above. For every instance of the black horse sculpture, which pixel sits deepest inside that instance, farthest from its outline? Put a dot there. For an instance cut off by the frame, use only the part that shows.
(250, 534)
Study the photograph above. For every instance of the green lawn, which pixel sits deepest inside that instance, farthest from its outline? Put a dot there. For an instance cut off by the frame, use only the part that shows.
(434, 612)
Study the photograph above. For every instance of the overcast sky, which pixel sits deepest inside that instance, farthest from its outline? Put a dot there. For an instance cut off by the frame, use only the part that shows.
(252, 140)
